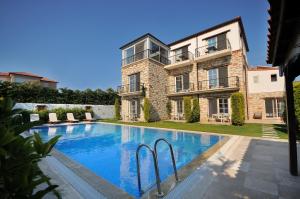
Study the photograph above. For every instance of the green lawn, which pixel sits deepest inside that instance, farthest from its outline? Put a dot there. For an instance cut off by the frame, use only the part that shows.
(254, 130)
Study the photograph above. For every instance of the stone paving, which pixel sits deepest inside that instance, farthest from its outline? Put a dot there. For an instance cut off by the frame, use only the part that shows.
(243, 168)
(269, 132)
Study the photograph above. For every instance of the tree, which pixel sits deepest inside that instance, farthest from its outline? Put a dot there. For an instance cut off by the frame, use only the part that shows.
(19, 156)
(195, 111)
(187, 108)
(117, 109)
(238, 109)
(147, 109)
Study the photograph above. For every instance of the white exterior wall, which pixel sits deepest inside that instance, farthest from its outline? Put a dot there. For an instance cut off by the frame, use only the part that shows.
(233, 35)
(264, 83)
(100, 111)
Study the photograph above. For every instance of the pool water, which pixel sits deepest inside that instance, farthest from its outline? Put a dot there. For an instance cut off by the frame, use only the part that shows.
(109, 150)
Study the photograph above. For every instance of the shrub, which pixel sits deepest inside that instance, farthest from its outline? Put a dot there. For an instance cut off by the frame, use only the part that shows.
(60, 113)
(195, 111)
(297, 101)
(44, 115)
(238, 109)
(19, 156)
(169, 108)
(147, 109)
(117, 109)
(187, 108)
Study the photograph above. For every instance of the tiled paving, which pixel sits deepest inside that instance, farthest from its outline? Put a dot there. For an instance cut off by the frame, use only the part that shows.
(243, 168)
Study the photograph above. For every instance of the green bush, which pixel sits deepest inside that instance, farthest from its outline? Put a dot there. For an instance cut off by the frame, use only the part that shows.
(20, 174)
(61, 114)
(147, 109)
(195, 111)
(34, 93)
(238, 109)
(117, 109)
(297, 101)
(187, 108)
(169, 108)
(44, 115)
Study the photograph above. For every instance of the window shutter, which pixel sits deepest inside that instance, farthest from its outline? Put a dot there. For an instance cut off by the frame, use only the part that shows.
(138, 107)
(223, 76)
(186, 81)
(138, 82)
(221, 39)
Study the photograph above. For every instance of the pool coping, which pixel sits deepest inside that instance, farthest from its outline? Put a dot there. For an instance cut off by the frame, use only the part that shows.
(110, 190)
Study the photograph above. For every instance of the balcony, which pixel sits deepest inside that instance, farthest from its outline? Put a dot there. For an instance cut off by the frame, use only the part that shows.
(144, 55)
(220, 84)
(172, 90)
(179, 60)
(213, 51)
(131, 89)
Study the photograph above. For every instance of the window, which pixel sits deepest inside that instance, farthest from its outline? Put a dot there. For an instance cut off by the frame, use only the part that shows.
(179, 83)
(135, 108)
(213, 78)
(129, 52)
(211, 44)
(179, 106)
(255, 79)
(223, 105)
(274, 107)
(182, 82)
(140, 50)
(273, 78)
(134, 82)
(181, 54)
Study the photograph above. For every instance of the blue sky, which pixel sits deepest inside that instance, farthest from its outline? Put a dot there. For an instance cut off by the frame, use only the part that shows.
(76, 42)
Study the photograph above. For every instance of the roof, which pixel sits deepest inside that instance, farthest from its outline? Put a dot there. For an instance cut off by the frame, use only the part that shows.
(236, 19)
(262, 68)
(282, 25)
(141, 38)
(27, 74)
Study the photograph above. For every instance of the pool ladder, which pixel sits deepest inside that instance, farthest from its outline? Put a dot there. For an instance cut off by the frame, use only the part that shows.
(155, 162)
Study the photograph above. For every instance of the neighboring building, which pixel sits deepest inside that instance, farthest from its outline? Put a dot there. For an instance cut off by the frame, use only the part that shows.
(209, 65)
(21, 77)
(266, 93)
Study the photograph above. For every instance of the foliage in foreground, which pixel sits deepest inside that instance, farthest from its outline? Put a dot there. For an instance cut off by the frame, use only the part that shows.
(238, 109)
(19, 156)
(147, 109)
(195, 111)
(169, 108)
(34, 93)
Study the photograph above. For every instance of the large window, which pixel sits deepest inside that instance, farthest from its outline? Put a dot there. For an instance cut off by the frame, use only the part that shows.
(218, 106)
(179, 106)
(134, 108)
(134, 82)
(274, 107)
(128, 54)
(182, 82)
(211, 44)
(213, 78)
(223, 105)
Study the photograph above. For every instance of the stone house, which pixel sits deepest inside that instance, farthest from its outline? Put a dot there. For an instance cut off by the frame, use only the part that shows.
(209, 65)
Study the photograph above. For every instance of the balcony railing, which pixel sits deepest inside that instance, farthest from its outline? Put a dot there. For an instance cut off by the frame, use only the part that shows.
(212, 48)
(173, 89)
(143, 55)
(181, 57)
(227, 82)
(130, 88)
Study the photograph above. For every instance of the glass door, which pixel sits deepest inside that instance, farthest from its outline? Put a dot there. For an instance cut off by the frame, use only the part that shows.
(213, 78)
(178, 83)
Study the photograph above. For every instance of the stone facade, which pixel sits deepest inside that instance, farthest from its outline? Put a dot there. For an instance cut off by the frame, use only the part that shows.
(256, 102)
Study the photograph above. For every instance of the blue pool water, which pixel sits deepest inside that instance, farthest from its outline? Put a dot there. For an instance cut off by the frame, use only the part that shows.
(109, 150)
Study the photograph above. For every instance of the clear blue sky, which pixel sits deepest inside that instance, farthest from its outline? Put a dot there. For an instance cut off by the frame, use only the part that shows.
(77, 41)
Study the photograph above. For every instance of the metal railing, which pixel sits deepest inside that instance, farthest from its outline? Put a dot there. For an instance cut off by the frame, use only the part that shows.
(130, 88)
(181, 57)
(156, 55)
(174, 89)
(211, 48)
(226, 82)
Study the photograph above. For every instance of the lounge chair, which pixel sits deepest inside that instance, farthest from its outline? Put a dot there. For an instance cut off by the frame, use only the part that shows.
(53, 118)
(88, 117)
(34, 117)
(70, 118)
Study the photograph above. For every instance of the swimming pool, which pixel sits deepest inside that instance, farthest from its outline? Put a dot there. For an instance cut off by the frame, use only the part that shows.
(109, 150)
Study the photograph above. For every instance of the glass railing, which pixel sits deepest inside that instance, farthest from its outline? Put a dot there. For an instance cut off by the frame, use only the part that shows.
(181, 57)
(155, 55)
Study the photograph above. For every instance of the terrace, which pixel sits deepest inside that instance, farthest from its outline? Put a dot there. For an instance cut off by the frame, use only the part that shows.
(131, 89)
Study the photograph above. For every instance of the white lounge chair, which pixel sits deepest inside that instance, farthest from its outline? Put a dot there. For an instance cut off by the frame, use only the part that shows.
(34, 117)
(88, 117)
(70, 118)
(53, 118)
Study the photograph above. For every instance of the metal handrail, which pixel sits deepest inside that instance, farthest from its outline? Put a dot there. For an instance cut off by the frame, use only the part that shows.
(172, 154)
(143, 55)
(181, 57)
(225, 82)
(159, 192)
(172, 89)
(130, 88)
(210, 48)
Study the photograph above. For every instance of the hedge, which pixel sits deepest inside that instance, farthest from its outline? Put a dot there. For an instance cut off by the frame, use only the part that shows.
(34, 93)
(147, 107)
(195, 111)
(238, 109)
(117, 109)
(187, 108)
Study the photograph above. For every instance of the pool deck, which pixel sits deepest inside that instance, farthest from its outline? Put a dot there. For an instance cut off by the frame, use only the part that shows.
(243, 167)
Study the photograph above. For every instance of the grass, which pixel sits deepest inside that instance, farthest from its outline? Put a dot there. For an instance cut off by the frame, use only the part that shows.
(253, 130)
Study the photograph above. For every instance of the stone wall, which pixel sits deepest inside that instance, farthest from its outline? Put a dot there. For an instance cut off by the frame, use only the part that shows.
(256, 102)
(100, 111)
